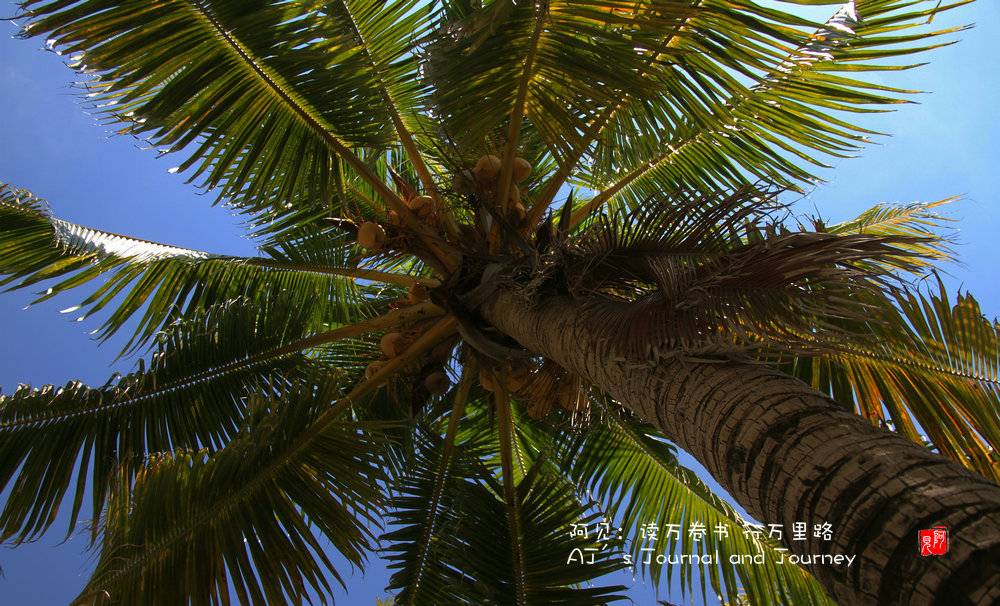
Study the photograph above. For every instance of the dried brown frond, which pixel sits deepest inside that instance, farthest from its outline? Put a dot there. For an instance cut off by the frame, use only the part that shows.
(682, 225)
(709, 276)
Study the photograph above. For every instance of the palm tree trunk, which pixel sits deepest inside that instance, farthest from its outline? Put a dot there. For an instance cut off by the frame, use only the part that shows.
(787, 454)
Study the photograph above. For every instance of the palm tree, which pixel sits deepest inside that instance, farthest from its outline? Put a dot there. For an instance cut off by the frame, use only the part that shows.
(510, 256)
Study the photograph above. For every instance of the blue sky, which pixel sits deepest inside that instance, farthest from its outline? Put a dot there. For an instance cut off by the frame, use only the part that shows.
(947, 145)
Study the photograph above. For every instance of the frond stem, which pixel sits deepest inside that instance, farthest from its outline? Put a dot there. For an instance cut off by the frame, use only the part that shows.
(517, 112)
(405, 137)
(374, 275)
(457, 410)
(506, 428)
(557, 180)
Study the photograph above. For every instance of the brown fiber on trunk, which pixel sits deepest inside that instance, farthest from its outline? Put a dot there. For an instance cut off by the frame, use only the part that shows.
(788, 453)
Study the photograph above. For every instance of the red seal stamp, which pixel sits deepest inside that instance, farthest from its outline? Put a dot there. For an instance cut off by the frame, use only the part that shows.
(933, 541)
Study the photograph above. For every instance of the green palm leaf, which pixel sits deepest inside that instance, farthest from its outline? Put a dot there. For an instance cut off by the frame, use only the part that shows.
(191, 397)
(424, 514)
(423, 510)
(784, 115)
(568, 58)
(931, 369)
(243, 87)
(164, 282)
(520, 553)
(245, 519)
(917, 221)
(448, 481)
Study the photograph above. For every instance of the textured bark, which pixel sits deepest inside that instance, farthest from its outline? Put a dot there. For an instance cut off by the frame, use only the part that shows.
(788, 453)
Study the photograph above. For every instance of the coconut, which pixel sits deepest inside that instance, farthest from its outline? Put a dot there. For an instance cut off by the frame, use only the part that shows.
(422, 206)
(522, 168)
(487, 168)
(393, 219)
(437, 383)
(393, 344)
(370, 235)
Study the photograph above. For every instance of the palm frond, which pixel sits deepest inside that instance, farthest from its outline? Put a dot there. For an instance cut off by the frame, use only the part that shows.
(243, 89)
(160, 282)
(424, 515)
(917, 220)
(197, 525)
(580, 58)
(931, 372)
(773, 128)
(541, 535)
(432, 537)
(191, 397)
(386, 34)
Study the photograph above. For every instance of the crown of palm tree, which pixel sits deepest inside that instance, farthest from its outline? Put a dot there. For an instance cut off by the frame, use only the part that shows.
(405, 165)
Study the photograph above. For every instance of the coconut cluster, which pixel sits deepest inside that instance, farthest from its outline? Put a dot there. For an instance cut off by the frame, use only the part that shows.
(483, 179)
(487, 169)
(373, 236)
(480, 180)
(396, 342)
